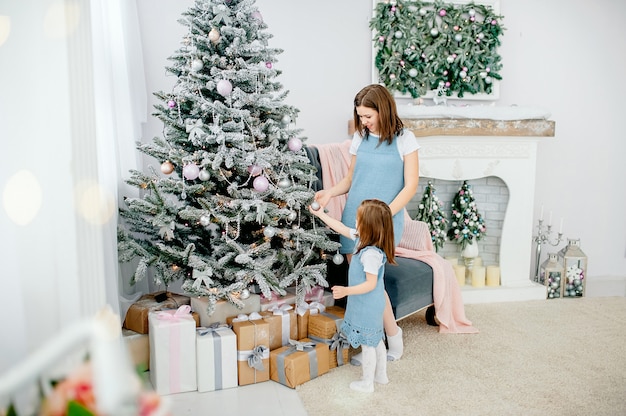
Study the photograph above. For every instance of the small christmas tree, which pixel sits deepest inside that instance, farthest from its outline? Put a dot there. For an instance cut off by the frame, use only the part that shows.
(228, 205)
(466, 223)
(430, 212)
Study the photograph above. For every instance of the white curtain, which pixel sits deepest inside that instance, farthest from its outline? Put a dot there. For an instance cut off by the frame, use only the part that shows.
(121, 100)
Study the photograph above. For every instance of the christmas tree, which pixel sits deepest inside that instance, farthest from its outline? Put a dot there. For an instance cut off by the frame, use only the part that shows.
(467, 224)
(430, 212)
(228, 206)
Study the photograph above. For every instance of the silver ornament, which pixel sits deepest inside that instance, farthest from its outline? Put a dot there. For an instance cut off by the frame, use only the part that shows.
(292, 216)
(245, 293)
(204, 175)
(315, 205)
(286, 119)
(284, 183)
(205, 220)
(338, 259)
(269, 231)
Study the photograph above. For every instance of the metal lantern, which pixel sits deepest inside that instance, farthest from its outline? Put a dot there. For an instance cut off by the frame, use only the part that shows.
(575, 264)
(552, 276)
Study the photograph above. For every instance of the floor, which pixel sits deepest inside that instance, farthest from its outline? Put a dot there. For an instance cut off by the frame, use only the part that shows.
(274, 399)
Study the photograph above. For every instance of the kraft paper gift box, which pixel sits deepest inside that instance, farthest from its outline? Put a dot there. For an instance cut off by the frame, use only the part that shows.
(303, 312)
(173, 350)
(223, 308)
(277, 300)
(216, 358)
(283, 325)
(138, 346)
(253, 352)
(325, 326)
(136, 318)
(299, 362)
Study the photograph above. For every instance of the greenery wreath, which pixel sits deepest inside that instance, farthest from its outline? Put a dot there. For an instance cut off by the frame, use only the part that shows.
(450, 48)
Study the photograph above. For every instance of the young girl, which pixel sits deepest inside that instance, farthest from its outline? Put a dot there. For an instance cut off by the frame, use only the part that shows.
(363, 321)
(384, 165)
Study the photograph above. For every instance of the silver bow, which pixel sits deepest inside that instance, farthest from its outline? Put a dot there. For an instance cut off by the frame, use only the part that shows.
(255, 360)
(214, 327)
(300, 346)
(339, 340)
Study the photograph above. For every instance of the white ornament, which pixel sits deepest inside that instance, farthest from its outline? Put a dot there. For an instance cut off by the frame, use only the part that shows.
(269, 231)
(337, 259)
(196, 65)
(315, 205)
(204, 175)
(205, 220)
(412, 72)
(245, 293)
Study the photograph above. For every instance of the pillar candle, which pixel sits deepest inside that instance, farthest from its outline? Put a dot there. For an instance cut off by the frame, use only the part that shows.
(459, 271)
(478, 261)
(493, 275)
(453, 260)
(478, 276)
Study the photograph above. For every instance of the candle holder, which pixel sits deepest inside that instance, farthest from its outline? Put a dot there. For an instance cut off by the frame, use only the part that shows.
(544, 237)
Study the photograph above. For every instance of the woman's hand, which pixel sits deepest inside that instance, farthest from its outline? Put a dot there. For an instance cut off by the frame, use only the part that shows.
(339, 292)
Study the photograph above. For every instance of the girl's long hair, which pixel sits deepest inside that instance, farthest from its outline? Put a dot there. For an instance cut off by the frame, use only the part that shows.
(377, 97)
(375, 227)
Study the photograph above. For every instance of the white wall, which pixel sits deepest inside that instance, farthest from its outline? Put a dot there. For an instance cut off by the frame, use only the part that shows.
(564, 55)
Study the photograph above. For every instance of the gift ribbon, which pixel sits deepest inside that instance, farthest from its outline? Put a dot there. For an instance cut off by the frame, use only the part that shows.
(337, 340)
(314, 294)
(313, 307)
(181, 312)
(254, 357)
(283, 311)
(214, 330)
(296, 346)
(242, 317)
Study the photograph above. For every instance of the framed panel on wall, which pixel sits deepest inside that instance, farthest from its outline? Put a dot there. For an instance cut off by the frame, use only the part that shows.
(429, 49)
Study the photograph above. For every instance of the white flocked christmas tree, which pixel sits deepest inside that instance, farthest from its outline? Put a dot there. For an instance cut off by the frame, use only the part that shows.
(226, 206)
(430, 212)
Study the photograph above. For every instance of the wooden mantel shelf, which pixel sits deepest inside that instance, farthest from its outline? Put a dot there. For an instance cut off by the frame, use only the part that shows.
(424, 127)
(427, 127)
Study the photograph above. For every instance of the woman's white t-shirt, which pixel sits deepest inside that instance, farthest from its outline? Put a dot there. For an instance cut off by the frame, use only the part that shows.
(405, 141)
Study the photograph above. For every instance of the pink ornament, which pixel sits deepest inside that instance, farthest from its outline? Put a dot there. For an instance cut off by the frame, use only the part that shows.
(257, 16)
(254, 170)
(171, 103)
(442, 12)
(393, 9)
(465, 68)
(402, 64)
(268, 65)
(294, 144)
(191, 171)
(472, 19)
(381, 38)
(261, 184)
(224, 87)
(447, 84)
(456, 28)
(494, 22)
(445, 72)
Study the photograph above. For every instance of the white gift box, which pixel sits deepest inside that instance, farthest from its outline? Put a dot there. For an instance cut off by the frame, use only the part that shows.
(172, 350)
(216, 358)
(223, 309)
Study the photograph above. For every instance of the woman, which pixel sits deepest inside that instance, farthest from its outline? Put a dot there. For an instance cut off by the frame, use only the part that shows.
(384, 165)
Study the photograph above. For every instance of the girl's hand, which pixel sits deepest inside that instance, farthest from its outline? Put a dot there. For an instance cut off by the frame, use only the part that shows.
(339, 292)
(323, 197)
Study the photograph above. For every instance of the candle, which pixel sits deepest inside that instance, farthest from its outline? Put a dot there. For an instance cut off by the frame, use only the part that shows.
(478, 276)
(478, 261)
(452, 260)
(541, 215)
(493, 275)
(550, 219)
(459, 271)
(561, 226)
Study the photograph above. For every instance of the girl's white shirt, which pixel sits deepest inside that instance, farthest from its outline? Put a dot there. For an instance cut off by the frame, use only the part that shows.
(371, 259)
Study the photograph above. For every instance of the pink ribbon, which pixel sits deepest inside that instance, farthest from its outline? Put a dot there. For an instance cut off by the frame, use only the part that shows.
(181, 312)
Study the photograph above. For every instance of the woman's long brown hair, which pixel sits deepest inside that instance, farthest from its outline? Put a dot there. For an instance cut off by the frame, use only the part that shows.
(377, 97)
(375, 227)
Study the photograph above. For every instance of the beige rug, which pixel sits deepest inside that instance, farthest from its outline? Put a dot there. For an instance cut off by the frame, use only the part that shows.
(548, 357)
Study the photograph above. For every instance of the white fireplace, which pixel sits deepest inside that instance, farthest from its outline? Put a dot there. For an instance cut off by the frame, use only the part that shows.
(464, 149)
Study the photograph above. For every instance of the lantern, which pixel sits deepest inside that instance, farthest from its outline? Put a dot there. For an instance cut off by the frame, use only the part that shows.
(575, 263)
(552, 276)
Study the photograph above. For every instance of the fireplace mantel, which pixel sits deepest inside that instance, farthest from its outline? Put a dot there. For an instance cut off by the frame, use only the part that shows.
(459, 149)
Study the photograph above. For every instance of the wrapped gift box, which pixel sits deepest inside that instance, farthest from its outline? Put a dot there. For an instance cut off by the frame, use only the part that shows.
(317, 294)
(277, 300)
(283, 325)
(137, 315)
(303, 312)
(325, 326)
(223, 309)
(299, 362)
(216, 358)
(253, 353)
(173, 350)
(138, 346)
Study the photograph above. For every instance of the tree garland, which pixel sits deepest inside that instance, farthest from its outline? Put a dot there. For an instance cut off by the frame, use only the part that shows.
(422, 46)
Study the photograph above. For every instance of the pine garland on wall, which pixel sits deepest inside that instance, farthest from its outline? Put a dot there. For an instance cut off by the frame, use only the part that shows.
(466, 222)
(421, 46)
(430, 212)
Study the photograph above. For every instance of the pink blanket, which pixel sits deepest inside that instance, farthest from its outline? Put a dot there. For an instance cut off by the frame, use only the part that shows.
(416, 244)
